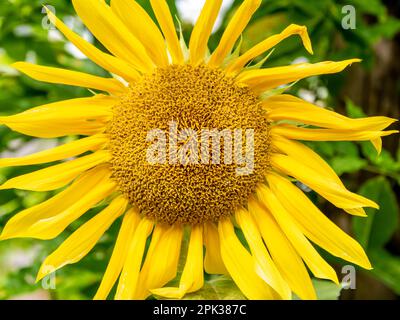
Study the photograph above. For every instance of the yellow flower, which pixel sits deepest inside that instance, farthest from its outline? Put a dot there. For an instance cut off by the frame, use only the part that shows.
(158, 82)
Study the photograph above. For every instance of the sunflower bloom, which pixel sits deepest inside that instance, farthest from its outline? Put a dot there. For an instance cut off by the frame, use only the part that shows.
(160, 83)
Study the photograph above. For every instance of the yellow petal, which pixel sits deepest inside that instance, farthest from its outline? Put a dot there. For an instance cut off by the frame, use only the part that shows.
(234, 29)
(377, 143)
(130, 272)
(112, 33)
(240, 265)
(162, 259)
(213, 263)
(314, 224)
(192, 275)
(263, 79)
(285, 257)
(269, 43)
(64, 151)
(49, 218)
(104, 60)
(164, 18)
(143, 28)
(125, 235)
(82, 116)
(356, 212)
(56, 176)
(286, 107)
(297, 133)
(333, 192)
(310, 158)
(83, 240)
(318, 266)
(202, 31)
(264, 265)
(68, 77)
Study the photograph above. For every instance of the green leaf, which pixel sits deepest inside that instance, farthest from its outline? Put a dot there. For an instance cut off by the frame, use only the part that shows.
(386, 29)
(375, 7)
(376, 230)
(259, 64)
(223, 288)
(277, 91)
(217, 288)
(325, 148)
(354, 111)
(384, 161)
(71, 284)
(325, 290)
(386, 268)
(8, 207)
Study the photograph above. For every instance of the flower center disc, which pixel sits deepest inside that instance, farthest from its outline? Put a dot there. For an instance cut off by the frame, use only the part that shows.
(194, 100)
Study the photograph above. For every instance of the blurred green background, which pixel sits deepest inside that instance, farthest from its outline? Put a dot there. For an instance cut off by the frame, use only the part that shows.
(370, 88)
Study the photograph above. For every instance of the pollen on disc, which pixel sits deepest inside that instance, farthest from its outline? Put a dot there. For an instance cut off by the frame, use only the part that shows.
(195, 98)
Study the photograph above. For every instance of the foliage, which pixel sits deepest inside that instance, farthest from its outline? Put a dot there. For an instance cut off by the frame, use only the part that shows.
(23, 37)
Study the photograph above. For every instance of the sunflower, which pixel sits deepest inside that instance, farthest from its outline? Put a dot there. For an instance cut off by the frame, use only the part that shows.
(259, 228)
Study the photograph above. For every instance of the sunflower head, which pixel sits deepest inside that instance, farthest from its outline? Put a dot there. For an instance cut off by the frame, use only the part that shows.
(179, 139)
(196, 178)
